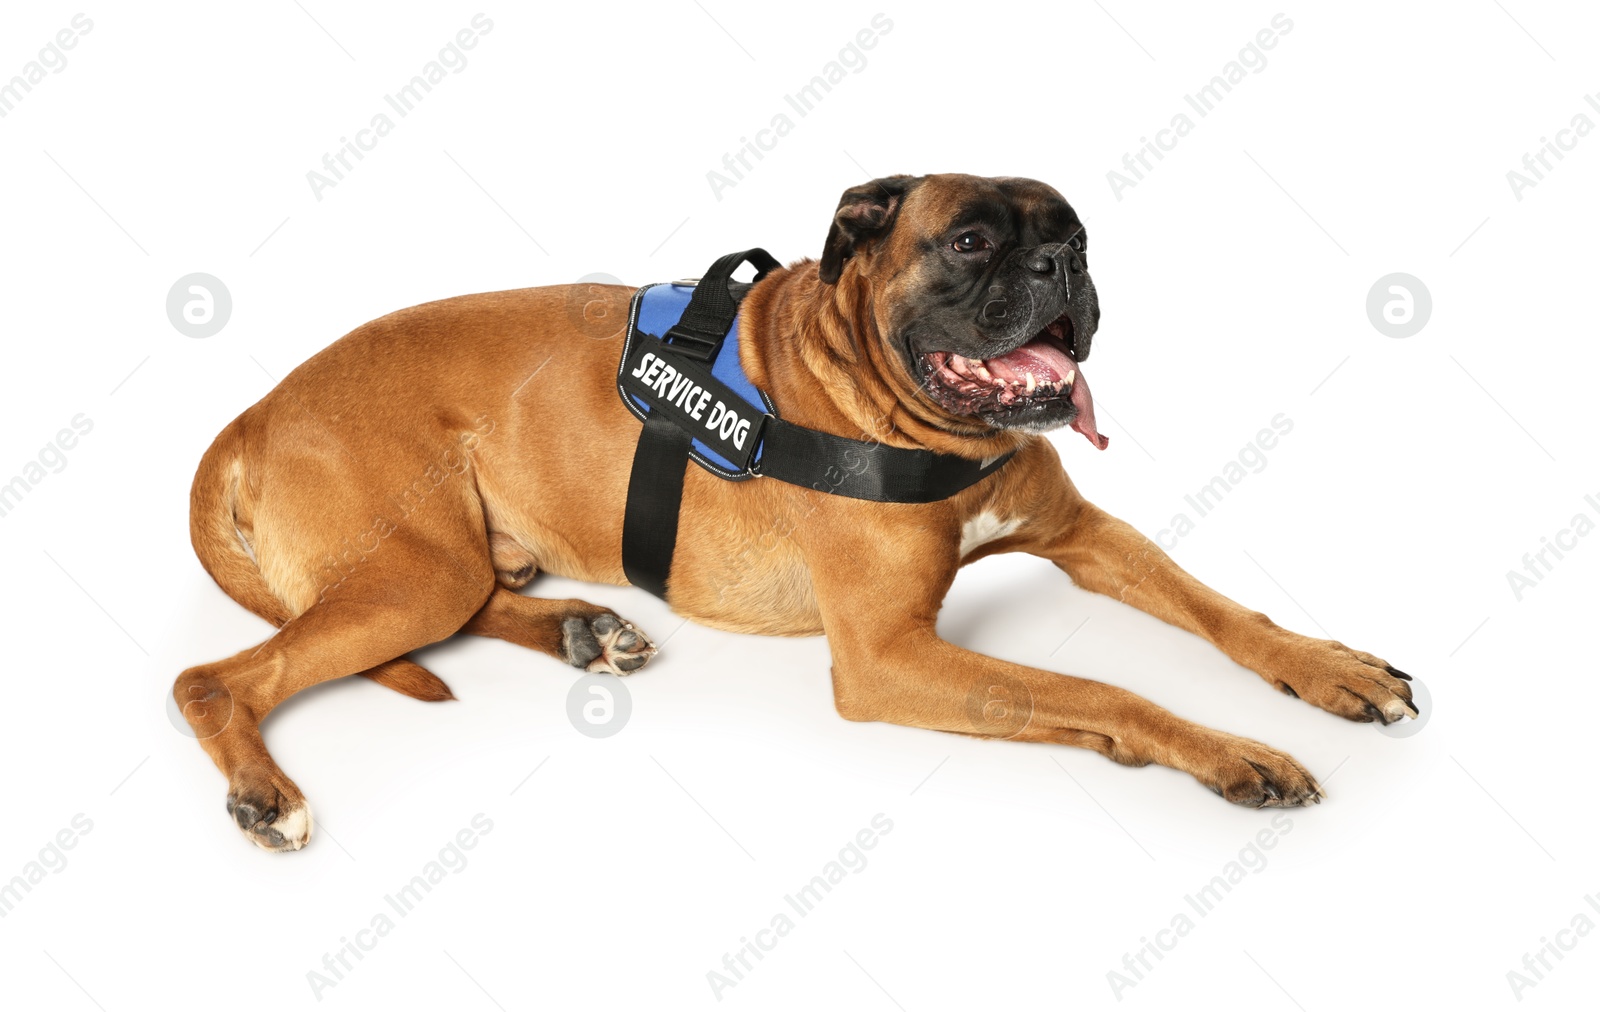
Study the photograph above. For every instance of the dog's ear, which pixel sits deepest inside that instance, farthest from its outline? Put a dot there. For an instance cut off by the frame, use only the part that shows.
(865, 213)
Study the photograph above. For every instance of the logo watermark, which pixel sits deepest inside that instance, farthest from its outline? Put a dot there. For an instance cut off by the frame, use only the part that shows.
(208, 707)
(1399, 305)
(596, 307)
(199, 305)
(999, 706)
(599, 705)
(1408, 725)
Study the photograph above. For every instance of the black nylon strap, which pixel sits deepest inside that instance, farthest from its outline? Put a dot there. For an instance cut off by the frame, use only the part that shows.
(709, 316)
(655, 485)
(655, 495)
(860, 470)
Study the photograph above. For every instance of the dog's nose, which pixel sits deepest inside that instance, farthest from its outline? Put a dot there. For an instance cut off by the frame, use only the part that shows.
(1041, 262)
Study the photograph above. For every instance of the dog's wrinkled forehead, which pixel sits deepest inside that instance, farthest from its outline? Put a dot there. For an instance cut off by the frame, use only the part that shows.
(1011, 210)
(906, 217)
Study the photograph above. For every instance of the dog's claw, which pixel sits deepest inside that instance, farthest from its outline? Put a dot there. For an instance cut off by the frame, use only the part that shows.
(1257, 776)
(1272, 791)
(1349, 683)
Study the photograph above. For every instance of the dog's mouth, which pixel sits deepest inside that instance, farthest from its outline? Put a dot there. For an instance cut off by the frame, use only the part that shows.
(1035, 385)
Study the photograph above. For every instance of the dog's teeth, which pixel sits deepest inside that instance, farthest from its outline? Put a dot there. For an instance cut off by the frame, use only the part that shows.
(1031, 383)
(1069, 378)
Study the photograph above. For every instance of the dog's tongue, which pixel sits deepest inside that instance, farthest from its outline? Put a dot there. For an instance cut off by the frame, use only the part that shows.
(1084, 423)
(1046, 362)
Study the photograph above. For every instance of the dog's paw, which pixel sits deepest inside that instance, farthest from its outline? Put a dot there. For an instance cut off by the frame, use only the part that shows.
(1350, 683)
(1249, 773)
(605, 643)
(269, 818)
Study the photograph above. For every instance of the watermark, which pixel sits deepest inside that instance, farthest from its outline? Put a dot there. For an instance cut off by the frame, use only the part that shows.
(51, 459)
(782, 526)
(1252, 860)
(999, 706)
(597, 308)
(1536, 565)
(599, 705)
(452, 462)
(852, 59)
(1252, 59)
(851, 860)
(1536, 965)
(52, 860)
(52, 59)
(1536, 164)
(199, 305)
(1399, 305)
(206, 711)
(451, 860)
(452, 59)
(1252, 459)
(1408, 725)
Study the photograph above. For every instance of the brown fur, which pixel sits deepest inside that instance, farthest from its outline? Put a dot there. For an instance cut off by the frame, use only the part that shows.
(387, 493)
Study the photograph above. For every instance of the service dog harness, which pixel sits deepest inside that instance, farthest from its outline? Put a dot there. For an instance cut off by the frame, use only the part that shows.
(682, 377)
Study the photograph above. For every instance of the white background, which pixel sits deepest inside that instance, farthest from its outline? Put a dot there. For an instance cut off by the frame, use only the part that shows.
(1234, 280)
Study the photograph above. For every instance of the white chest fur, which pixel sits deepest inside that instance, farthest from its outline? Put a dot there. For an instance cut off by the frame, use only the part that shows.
(984, 528)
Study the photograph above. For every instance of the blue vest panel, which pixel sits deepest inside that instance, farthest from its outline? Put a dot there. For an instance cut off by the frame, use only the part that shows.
(656, 308)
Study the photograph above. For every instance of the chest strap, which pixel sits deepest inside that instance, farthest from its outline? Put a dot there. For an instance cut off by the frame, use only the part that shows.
(821, 461)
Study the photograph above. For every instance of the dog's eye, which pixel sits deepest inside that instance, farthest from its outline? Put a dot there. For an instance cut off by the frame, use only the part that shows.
(1076, 242)
(969, 242)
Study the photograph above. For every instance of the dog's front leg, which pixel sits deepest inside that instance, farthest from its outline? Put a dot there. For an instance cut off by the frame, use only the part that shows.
(1104, 554)
(915, 678)
(879, 596)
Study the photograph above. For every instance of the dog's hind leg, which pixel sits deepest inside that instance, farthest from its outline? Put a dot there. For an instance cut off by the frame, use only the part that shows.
(584, 635)
(224, 550)
(423, 583)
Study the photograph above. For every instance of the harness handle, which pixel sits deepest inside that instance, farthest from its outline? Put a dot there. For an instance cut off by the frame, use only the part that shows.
(699, 332)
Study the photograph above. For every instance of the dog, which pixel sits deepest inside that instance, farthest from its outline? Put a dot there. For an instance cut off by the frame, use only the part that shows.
(400, 487)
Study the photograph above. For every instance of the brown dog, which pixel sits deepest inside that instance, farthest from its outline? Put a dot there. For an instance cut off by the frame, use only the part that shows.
(395, 490)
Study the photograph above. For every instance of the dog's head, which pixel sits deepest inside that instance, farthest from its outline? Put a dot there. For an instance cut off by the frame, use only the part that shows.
(981, 289)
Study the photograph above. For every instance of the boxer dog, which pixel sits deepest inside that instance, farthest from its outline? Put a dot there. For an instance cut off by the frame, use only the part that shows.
(403, 484)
